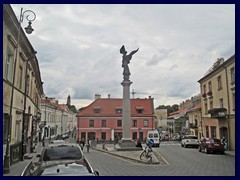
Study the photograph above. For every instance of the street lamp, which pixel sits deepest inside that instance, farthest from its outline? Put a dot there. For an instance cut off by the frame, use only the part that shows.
(29, 29)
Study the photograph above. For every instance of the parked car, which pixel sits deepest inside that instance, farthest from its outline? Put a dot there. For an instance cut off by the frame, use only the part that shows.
(60, 168)
(60, 159)
(190, 140)
(211, 145)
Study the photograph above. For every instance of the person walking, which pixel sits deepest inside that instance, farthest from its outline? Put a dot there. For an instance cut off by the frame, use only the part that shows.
(88, 145)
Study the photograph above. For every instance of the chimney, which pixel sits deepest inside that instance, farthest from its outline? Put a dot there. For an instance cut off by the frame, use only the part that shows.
(97, 96)
(109, 96)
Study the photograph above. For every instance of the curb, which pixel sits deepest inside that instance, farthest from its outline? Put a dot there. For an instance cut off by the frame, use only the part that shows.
(135, 160)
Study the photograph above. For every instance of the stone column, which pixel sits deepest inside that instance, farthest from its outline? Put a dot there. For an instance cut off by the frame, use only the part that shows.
(126, 118)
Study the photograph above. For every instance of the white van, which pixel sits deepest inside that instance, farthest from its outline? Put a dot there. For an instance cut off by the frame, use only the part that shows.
(153, 134)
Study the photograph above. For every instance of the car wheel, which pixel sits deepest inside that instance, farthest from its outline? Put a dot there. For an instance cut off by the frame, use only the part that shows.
(205, 150)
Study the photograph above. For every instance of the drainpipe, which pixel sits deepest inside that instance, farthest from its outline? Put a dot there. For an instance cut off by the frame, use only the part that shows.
(228, 116)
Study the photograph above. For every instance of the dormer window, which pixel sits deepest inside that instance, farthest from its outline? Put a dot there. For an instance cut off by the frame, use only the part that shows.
(139, 109)
(118, 109)
(97, 109)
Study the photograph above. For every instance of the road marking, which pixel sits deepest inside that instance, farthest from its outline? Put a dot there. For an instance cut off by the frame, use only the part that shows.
(162, 158)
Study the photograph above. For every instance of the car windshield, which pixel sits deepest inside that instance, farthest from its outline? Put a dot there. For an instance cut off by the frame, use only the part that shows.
(156, 135)
(62, 153)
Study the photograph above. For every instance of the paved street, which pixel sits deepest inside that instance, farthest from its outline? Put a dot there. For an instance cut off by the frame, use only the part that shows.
(180, 162)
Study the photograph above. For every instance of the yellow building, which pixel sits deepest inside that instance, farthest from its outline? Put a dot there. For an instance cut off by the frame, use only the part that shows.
(218, 101)
(22, 88)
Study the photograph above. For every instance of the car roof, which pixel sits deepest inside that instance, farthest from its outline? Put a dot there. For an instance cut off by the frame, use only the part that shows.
(63, 144)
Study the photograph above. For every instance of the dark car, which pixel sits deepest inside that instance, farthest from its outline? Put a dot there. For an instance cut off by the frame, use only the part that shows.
(62, 151)
(60, 159)
(211, 145)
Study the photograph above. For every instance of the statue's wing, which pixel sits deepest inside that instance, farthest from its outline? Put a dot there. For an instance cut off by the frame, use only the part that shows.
(122, 50)
(132, 53)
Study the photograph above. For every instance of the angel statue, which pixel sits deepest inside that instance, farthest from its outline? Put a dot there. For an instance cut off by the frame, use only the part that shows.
(125, 61)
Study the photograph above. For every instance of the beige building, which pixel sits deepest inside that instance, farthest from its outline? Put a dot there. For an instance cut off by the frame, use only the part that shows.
(218, 101)
(56, 119)
(161, 118)
(22, 88)
(195, 121)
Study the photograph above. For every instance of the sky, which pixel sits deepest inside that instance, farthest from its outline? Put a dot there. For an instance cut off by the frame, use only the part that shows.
(78, 48)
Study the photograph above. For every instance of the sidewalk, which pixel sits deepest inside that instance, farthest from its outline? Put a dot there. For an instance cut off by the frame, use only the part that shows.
(16, 169)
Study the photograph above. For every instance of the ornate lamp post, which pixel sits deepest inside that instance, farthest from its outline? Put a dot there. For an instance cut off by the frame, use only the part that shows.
(29, 30)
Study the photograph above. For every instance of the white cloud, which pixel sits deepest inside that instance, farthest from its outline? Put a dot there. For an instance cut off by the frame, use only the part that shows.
(78, 47)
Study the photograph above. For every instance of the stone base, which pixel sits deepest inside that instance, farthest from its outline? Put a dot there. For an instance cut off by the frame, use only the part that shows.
(126, 145)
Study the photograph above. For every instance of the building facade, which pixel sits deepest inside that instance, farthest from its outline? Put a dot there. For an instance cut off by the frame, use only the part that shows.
(56, 119)
(218, 101)
(102, 119)
(22, 88)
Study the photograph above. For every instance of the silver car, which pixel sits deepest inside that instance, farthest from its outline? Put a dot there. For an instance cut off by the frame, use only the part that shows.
(60, 160)
(190, 140)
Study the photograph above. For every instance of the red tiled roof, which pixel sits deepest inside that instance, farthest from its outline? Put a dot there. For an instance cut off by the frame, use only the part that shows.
(197, 107)
(173, 114)
(109, 106)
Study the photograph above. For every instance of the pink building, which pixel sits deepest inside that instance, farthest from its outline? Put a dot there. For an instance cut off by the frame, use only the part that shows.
(102, 119)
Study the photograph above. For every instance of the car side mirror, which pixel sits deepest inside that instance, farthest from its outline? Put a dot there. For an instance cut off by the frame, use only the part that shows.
(96, 173)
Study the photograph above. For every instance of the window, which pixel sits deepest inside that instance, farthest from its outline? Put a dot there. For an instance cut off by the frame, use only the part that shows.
(221, 103)
(210, 86)
(20, 76)
(219, 80)
(134, 135)
(232, 71)
(211, 104)
(119, 123)
(103, 135)
(104, 123)
(233, 101)
(206, 108)
(145, 123)
(139, 109)
(204, 88)
(96, 110)
(134, 123)
(118, 111)
(207, 132)
(213, 131)
(9, 67)
(91, 123)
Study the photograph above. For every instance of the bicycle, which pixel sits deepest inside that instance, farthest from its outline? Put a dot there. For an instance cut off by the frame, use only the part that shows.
(147, 154)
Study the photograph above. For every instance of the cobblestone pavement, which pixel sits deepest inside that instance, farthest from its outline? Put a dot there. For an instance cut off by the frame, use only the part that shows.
(131, 155)
(16, 169)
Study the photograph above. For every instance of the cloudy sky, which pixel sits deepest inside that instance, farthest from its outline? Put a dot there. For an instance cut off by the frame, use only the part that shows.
(78, 48)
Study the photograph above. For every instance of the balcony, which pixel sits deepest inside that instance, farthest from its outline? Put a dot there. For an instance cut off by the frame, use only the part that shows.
(218, 112)
(204, 95)
(209, 93)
